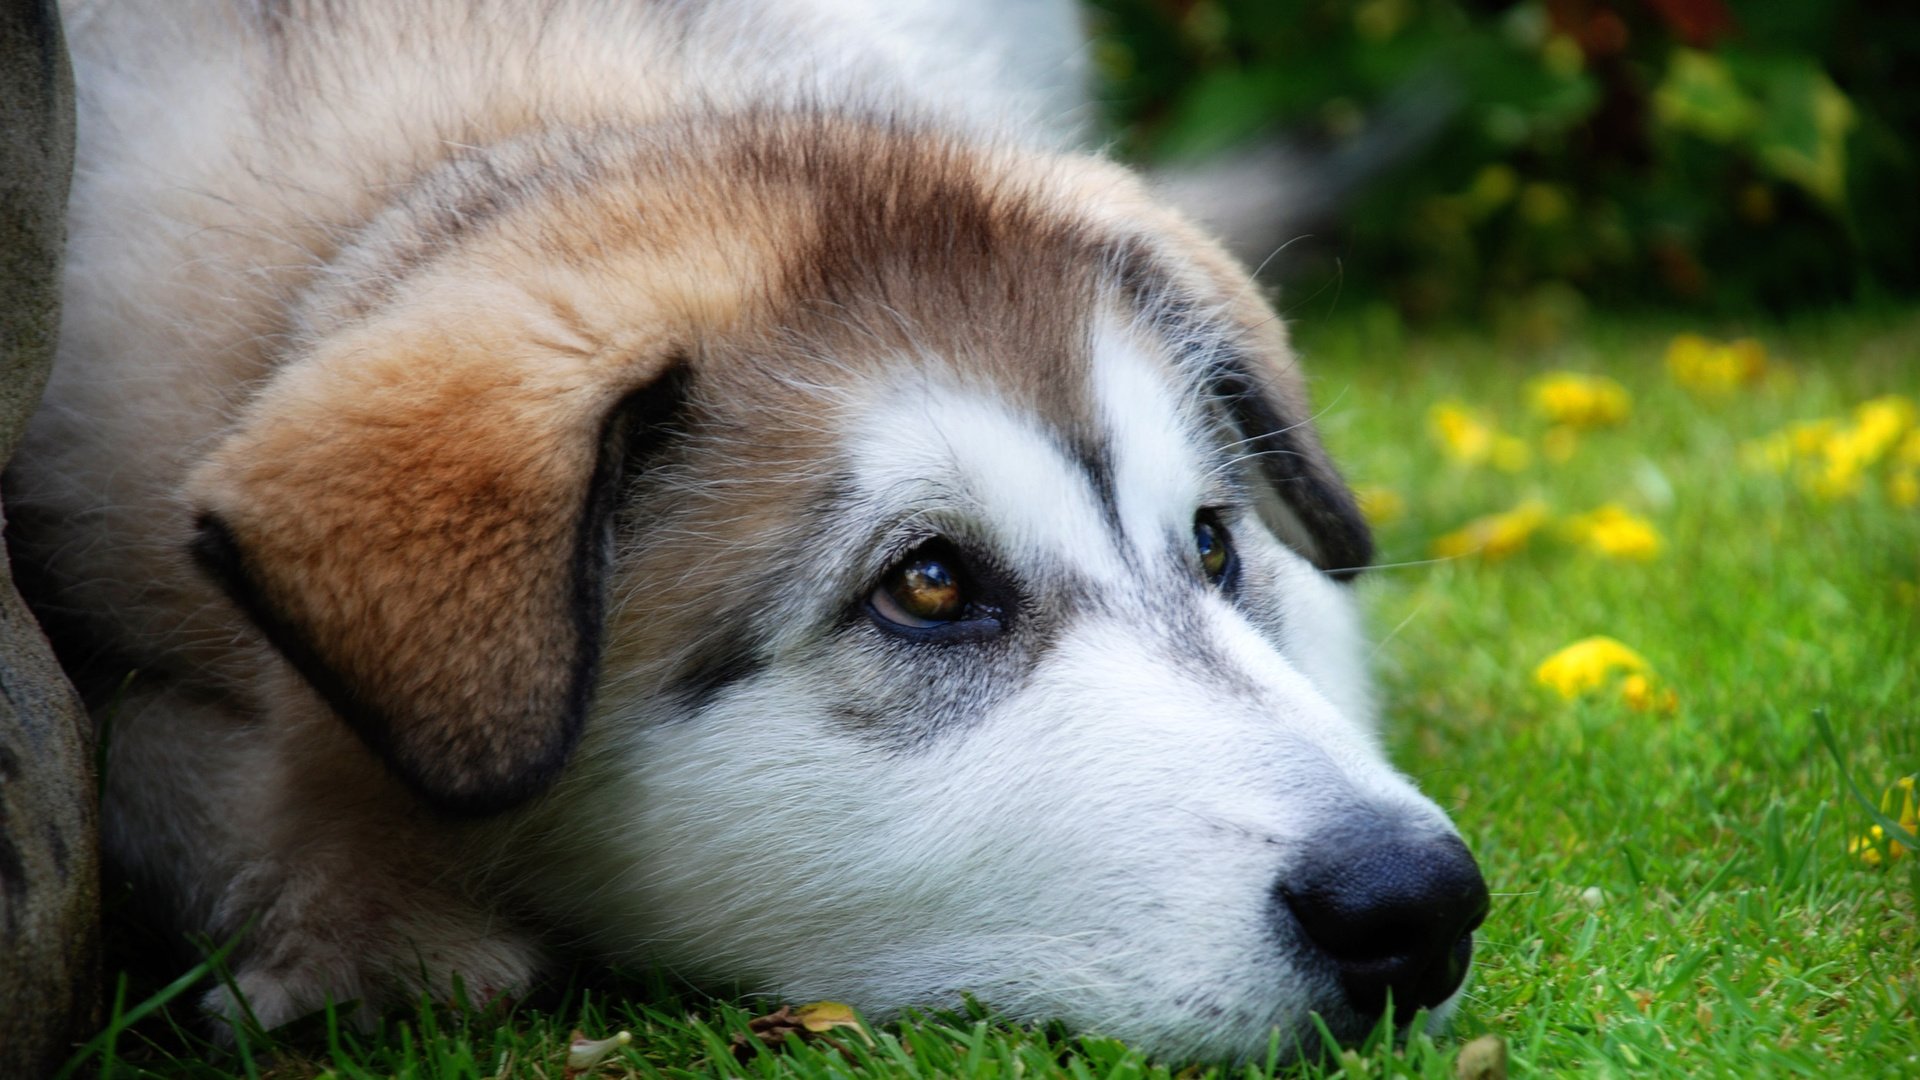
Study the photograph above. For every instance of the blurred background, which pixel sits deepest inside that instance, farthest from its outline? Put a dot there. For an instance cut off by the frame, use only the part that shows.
(1522, 163)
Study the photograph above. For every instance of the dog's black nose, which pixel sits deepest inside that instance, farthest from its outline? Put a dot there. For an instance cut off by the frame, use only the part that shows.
(1395, 912)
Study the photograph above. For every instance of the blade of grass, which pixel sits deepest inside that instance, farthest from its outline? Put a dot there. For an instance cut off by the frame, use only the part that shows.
(1895, 831)
(121, 1021)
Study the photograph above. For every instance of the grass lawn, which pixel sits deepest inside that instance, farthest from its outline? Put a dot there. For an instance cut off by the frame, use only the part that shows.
(1674, 894)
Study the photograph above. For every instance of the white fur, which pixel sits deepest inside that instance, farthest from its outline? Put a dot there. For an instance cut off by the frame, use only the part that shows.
(1103, 847)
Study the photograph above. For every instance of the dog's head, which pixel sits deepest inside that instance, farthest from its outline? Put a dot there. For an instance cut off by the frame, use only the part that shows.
(867, 567)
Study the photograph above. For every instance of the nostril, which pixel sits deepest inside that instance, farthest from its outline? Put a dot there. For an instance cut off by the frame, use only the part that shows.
(1395, 915)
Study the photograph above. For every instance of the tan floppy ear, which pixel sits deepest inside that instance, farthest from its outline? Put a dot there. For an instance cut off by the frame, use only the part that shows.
(1313, 510)
(424, 532)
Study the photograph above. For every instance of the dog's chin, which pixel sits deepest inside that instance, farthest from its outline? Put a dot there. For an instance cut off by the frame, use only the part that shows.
(1440, 1017)
(1179, 1027)
(1304, 1038)
(1352, 1027)
(1197, 1039)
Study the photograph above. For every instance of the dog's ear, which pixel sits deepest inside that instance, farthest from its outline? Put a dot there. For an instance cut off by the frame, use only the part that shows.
(424, 531)
(1307, 503)
(1253, 374)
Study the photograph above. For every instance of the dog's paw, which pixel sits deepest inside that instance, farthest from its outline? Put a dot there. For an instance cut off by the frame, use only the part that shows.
(262, 999)
(443, 954)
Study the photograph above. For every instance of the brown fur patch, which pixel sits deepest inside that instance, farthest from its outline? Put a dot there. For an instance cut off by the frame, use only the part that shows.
(422, 533)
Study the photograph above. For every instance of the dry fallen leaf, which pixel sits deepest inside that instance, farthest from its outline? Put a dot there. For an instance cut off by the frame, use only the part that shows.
(1485, 1058)
(825, 1016)
(807, 1021)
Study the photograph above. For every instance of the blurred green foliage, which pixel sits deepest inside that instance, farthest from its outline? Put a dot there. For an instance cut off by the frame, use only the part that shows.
(1559, 152)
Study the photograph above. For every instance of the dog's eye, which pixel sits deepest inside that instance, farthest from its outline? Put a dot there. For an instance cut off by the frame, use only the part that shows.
(933, 596)
(924, 590)
(1210, 541)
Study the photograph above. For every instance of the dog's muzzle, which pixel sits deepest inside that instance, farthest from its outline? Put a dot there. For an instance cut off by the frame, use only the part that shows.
(1395, 910)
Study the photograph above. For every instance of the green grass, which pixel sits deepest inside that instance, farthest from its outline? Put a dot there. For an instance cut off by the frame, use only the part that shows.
(1673, 890)
(1677, 897)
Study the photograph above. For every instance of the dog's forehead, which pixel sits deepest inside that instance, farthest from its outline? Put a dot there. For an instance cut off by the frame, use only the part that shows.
(1115, 448)
(1021, 349)
(905, 249)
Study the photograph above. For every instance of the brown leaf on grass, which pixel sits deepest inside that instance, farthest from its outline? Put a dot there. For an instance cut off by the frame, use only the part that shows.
(1485, 1058)
(809, 1022)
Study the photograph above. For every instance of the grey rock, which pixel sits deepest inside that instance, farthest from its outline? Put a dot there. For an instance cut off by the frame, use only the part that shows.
(49, 877)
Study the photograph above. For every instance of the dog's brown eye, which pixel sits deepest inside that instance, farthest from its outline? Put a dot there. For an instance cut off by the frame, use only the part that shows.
(937, 595)
(1210, 540)
(924, 590)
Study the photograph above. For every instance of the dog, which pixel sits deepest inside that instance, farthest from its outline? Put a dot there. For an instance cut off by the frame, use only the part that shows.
(729, 487)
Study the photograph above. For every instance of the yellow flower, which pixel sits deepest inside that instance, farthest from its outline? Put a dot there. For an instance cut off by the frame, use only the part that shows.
(1615, 533)
(1588, 664)
(1580, 401)
(1903, 488)
(1464, 437)
(1800, 439)
(1713, 367)
(1879, 424)
(1807, 437)
(1640, 694)
(1839, 477)
(1468, 439)
(1908, 452)
(1559, 443)
(1847, 453)
(1833, 458)
(1494, 536)
(1380, 505)
(1869, 846)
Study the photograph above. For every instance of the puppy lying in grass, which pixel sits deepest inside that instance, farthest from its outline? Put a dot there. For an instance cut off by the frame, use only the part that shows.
(719, 486)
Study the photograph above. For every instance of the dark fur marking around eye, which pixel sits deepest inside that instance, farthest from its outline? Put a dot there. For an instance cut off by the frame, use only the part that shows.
(712, 675)
(1096, 462)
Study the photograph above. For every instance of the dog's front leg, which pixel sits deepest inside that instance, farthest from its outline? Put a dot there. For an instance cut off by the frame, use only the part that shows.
(281, 830)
